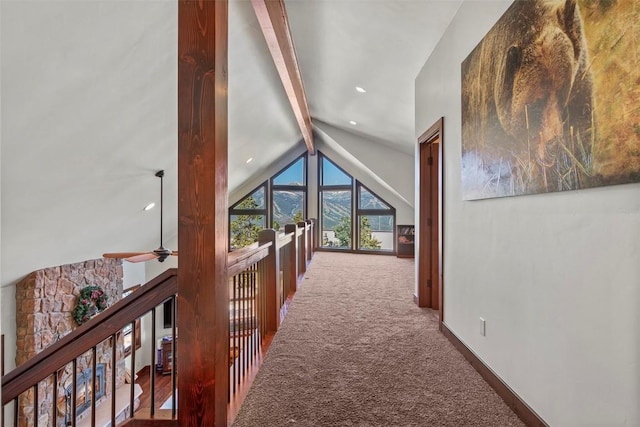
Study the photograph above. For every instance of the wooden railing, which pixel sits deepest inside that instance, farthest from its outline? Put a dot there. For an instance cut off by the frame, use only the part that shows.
(262, 278)
(39, 375)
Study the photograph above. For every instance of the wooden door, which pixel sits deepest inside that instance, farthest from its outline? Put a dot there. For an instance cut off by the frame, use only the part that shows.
(430, 219)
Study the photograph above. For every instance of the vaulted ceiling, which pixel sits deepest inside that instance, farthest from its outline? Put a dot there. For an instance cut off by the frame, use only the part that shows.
(89, 108)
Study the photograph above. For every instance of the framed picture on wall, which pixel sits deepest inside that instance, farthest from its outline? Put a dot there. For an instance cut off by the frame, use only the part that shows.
(550, 101)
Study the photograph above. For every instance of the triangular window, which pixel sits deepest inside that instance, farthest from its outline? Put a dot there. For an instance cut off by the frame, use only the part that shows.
(252, 201)
(368, 200)
(332, 175)
(294, 174)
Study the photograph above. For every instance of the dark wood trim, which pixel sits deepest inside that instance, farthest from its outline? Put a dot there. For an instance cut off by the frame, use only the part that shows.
(272, 16)
(510, 397)
(202, 358)
(435, 132)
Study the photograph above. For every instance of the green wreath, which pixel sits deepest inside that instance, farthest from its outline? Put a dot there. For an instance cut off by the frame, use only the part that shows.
(91, 300)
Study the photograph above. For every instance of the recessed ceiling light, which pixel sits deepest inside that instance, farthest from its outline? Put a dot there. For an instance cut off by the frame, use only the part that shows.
(361, 90)
(353, 123)
(249, 160)
(149, 206)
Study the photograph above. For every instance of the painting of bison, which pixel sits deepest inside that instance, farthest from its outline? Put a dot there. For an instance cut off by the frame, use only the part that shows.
(551, 99)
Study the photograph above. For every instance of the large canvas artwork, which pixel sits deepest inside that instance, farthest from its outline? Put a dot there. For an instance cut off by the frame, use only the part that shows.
(551, 99)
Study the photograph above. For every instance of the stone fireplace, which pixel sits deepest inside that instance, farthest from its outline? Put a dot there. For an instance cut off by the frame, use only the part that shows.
(84, 391)
(44, 302)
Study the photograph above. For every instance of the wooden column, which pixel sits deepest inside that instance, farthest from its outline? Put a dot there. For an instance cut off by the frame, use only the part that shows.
(309, 240)
(203, 296)
(293, 262)
(302, 257)
(272, 279)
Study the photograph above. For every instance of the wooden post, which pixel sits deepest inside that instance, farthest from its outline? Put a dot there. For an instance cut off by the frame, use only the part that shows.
(309, 240)
(271, 283)
(202, 357)
(314, 236)
(293, 253)
(303, 248)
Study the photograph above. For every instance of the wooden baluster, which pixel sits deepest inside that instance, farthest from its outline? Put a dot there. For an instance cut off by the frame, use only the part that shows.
(93, 385)
(243, 318)
(254, 284)
(174, 356)
(154, 363)
(55, 400)
(2, 373)
(234, 322)
(133, 368)
(114, 363)
(263, 305)
(36, 410)
(15, 412)
(74, 391)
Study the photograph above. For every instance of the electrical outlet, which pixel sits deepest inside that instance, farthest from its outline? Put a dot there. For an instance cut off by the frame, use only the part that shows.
(483, 327)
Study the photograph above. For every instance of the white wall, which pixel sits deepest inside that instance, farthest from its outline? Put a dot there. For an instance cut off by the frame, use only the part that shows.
(387, 172)
(556, 276)
(389, 165)
(89, 114)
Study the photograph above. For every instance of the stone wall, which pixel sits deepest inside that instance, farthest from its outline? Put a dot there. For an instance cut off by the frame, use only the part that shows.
(44, 302)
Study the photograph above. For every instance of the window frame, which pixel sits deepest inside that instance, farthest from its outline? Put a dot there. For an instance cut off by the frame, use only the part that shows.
(391, 211)
(332, 187)
(293, 188)
(233, 210)
(355, 189)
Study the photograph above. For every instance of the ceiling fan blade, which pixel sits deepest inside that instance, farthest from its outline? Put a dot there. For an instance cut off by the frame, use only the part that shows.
(122, 255)
(174, 253)
(146, 256)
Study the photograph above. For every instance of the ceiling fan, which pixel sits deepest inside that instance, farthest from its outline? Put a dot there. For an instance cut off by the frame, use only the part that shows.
(161, 253)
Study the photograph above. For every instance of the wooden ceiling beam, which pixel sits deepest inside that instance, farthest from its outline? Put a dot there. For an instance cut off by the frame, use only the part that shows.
(273, 20)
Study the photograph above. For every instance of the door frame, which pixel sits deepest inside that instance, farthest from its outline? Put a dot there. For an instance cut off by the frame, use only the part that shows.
(431, 135)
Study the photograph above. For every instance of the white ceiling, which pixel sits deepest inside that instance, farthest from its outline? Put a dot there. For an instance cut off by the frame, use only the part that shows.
(89, 109)
(379, 45)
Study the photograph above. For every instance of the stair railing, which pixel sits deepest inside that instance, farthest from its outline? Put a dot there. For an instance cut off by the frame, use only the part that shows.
(262, 278)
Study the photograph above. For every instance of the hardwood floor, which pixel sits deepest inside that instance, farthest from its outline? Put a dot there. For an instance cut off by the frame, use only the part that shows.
(163, 382)
(162, 393)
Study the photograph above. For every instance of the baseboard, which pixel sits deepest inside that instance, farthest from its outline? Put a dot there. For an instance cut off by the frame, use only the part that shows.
(517, 405)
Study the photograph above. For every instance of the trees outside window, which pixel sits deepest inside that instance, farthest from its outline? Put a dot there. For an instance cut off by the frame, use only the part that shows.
(247, 218)
(372, 225)
(289, 194)
(278, 201)
(245, 228)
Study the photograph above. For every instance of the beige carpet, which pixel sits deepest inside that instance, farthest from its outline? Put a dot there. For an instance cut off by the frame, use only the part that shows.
(354, 350)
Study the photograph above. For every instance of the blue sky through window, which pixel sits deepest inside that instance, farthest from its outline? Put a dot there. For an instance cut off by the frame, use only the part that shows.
(331, 175)
(293, 175)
